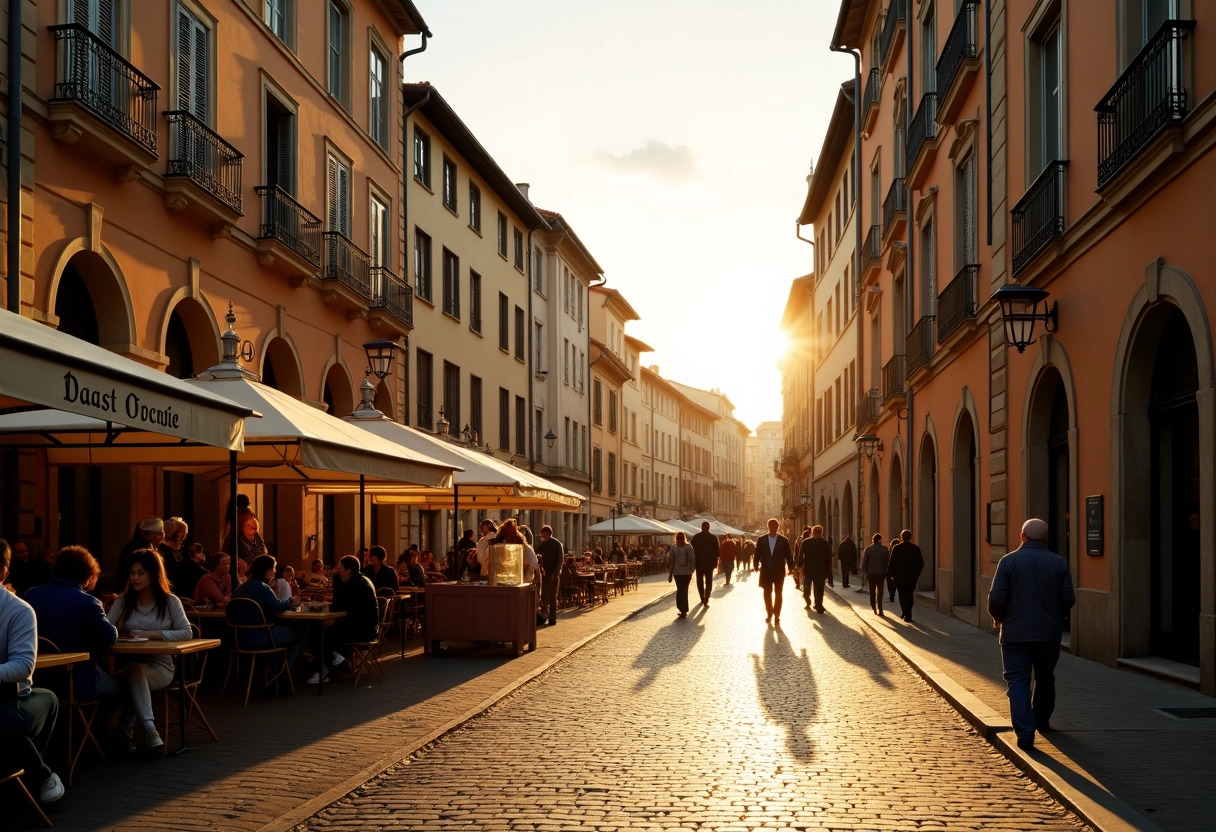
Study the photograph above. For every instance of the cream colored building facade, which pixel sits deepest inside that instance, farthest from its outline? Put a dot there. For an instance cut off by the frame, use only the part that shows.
(727, 437)
(763, 454)
(660, 445)
(608, 372)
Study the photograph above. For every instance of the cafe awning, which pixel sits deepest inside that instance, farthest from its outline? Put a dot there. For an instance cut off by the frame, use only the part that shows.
(631, 524)
(41, 367)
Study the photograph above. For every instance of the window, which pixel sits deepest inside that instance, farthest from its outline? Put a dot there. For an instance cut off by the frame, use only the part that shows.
(566, 442)
(597, 403)
(193, 78)
(279, 16)
(928, 266)
(928, 49)
(611, 474)
(538, 271)
(378, 231)
(422, 157)
(279, 146)
(538, 349)
(504, 322)
(521, 426)
(504, 418)
(451, 397)
(520, 333)
(475, 405)
(967, 213)
(378, 102)
(338, 191)
(425, 369)
(422, 264)
(449, 183)
(451, 284)
(474, 208)
(612, 410)
(517, 238)
(474, 301)
(1044, 102)
(566, 361)
(339, 36)
(502, 234)
(597, 473)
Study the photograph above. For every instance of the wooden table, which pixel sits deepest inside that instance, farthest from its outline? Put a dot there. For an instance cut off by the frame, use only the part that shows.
(177, 649)
(406, 591)
(46, 661)
(322, 619)
(473, 612)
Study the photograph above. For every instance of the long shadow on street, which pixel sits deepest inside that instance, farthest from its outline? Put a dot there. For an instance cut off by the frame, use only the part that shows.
(785, 687)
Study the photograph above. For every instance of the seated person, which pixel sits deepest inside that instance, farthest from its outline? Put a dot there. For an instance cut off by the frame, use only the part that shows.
(75, 621)
(470, 570)
(417, 577)
(215, 587)
(429, 568)
(381, 576)
(257, 588)
(285, 582)
(403, 570)
(317, 578)
(355, 596)
(192, 567)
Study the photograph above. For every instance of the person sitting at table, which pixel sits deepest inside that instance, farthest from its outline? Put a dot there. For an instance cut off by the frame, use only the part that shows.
(416, 576)
(215, 587)
(172, 548)
(147, 610)
(192, 567)
(148, 534)
(597, 556)
(75, 621)
(355, 596)
(465, 543)
(242, 571)
(317, 578)
(430, 568)
(257, 589)
(285, 586)
(470, 570)
(381, 576)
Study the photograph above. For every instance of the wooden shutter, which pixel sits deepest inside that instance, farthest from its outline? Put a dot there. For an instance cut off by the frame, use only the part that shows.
(192, 61)
(970, 220)
(338, 196)
(98, 17)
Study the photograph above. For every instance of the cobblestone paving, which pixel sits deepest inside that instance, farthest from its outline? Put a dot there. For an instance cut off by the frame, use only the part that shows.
(714, 722)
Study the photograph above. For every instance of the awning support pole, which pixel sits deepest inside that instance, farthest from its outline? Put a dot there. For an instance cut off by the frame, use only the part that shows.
(362, 515)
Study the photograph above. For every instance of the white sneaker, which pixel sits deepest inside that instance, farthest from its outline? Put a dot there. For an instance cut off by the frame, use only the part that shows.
(152, 739)
(52, 789)
(337, 659)
(316, 678)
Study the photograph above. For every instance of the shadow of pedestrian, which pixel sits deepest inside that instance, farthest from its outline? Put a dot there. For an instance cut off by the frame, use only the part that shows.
(785, 687)
(849, 644)
(667, 648)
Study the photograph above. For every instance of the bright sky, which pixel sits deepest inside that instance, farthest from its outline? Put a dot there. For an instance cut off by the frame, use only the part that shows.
(675, 136)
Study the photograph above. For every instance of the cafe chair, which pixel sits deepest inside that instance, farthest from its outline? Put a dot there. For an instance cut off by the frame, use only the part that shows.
(604, 583)
(364, 656)
(84, 712)
(191, 611)
(196, 665)
(246, 619)
(16, 778)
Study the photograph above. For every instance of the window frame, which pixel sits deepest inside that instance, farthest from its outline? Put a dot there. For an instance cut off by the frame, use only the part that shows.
(451, 284)
(339, 90)
(288, 36)
(207, 24)
(517, 240)
(423, 265)
(474, 207)
(425, 386)
(504, 323)
(502, 235)
(450, 181)
(521, 335)
(504, 419)
(379, 118)
(475, 301)
(422, 157)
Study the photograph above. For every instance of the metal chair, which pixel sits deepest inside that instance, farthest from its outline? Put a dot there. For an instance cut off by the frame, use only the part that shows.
(196, 665)
(246, 618)
(84, 712)
(364, 656)
(16, 777)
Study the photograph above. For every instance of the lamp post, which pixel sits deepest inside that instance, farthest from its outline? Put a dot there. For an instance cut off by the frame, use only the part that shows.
(550, 438)
(871, 445)
(617, 510)
(380, 355)
(1020, 311)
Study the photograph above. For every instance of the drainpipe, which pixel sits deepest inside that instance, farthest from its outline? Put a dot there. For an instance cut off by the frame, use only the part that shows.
(910, 271)
(426, 33)
(14, 155)
(600, 281)
(988, 112)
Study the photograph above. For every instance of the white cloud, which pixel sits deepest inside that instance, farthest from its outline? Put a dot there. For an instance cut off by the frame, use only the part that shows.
(655, 159)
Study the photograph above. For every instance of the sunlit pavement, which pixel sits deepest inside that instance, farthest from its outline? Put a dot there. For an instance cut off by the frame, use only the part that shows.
(713, 722)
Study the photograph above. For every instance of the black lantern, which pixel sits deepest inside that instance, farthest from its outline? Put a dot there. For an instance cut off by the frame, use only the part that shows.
(550, 438)
(805, 498)
(380, 356)
(441, 427)
(870, 445)
(1020, 310)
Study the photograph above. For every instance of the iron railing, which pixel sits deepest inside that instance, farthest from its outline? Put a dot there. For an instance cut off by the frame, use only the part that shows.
(873, 91)
(957, 303)
(960, 47)
(92, 74)
(871, 251)
(869, 406)
(923, 127)
(392, 294)
(893, 378)
(287, 221)
(895, 203)
(918, 344)
(346, 263)
(895, 15)
(1038, 218)
(197, 153)
(1148, 96)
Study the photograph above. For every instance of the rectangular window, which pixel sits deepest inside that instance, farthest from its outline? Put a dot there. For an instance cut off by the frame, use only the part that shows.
(612, 410)
(928, 267)
(378, 101)
(538, 349)
(504, 322)
(611, 474)
(1044, 102)
(967, 219)
(449, 183)
(451, 284)
(521, 426)
(474, 301)
(193, 78)
(538, 270)
(338, 190)
(378, 231)
(474, 208)
(278, 16)
(422, 157)
(451, 397)
(339, 35)
(597, 472)
(504, 418)
(597, 403)
(422, 265)
(517, 238)
(928, 49)
(502, 233)
(279, 149)
(425, 383)
(566, 441)
(566, 361)
(475, 404)
(521, 335)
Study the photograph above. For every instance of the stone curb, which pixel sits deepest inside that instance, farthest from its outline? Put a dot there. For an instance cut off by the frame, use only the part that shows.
(1046, 765)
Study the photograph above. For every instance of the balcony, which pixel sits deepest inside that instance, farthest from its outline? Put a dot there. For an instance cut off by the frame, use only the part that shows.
(289, 239)
(392, 302)
(102, 102)
(959, 61)
(918, 344)
(892, 32)
(894, 211)
(869, 407)
(893, 387)
(204, 175)
(1038, 218)
(871, 252)
(1148, 97)
(922, 140)
(346, 275)
(869, 105)
(957, 303)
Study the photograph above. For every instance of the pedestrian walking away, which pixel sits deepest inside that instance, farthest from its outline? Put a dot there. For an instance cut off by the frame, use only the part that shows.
(890, 578)
(683, 564)
(1030, 595)
(552, 555)
(775, 560)
(874, 566)
(706, 547)
(816, 566)
(905, 567)
(846, 553)
(726, 556)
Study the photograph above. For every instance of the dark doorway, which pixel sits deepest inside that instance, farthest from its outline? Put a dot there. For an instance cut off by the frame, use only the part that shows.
(177, 348)
(963, 509)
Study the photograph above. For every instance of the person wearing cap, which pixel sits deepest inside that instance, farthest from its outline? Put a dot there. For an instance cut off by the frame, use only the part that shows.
(148, 534)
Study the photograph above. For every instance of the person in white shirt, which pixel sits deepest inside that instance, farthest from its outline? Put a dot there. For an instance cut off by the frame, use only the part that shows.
(488, 532)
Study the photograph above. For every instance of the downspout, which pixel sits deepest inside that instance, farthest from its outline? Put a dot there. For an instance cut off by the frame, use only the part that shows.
(910, 271)
(13, 252)
(530, 276)
(988, 111)
(810, 321)
(426, 33)
(600, 281)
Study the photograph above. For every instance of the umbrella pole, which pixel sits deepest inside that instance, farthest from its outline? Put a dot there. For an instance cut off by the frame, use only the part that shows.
(455, 522)
(362, 516)
(235, 517)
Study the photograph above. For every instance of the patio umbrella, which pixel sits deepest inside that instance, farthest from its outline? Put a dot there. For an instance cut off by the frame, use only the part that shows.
(631, 524)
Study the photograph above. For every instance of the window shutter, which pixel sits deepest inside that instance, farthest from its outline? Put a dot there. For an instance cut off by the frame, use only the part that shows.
(331, 196)
(184, 60)
(344, 200)
(201, 60)
(98, 17)
(286, 160)
(969, 212)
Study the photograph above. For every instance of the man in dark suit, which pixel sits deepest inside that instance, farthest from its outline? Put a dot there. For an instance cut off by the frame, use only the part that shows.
(705, 547)
(816, 566)
(775, 560)
(905, 567)
(551, 554)
(847, 553)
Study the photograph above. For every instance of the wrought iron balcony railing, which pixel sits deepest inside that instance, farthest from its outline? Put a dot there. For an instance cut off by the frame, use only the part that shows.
(960, 46)
(347, 264)
(873, 92)
(287, 221)
(923, 127)
(1148, 96)
(894, 205)
(197, 153)
(957, 303)
(1038, 218)
(893, 378)
(895, 16)
(918, 344)
(871, 250)
(92, 74)
(869, 406)
(392, 294)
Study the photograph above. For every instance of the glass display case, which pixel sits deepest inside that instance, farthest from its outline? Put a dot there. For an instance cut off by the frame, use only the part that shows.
(506, 564)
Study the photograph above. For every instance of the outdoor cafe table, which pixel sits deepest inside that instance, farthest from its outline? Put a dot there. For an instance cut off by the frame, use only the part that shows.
(322, 619)
(46, 661)
(410, 592)
(176, 649)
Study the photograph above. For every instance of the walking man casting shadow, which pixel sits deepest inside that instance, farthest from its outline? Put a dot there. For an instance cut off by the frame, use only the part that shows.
(775, 560)
(905, 568)
(816, 566)
(874, 567)
(1031, 592)
(706, 547)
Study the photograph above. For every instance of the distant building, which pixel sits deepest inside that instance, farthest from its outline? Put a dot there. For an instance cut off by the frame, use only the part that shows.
(762, 488)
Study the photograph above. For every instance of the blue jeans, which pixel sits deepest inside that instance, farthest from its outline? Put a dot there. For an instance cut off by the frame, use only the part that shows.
(1020, 661)
(682, 582)
(26, 726)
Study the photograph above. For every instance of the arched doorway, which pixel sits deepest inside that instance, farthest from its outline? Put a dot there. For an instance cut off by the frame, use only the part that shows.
(191, 342)
(338, 393)
(895, 496)
(925, 529)
(963, 509)
(872, 525)
(384, 401)
(846, 518)
(280, 369)
(1048, 487)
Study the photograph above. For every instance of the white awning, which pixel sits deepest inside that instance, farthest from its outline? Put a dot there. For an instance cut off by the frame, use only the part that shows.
(631, 524)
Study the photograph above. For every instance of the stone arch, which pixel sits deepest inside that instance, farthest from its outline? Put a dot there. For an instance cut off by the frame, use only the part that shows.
(964, 506)
(895, 494)
(872, 514)
(925, 527)
(196, 317)
(846, 519)
(385, 401)
(107, 287)
(281, 367)
(821, 515)
(337, 391)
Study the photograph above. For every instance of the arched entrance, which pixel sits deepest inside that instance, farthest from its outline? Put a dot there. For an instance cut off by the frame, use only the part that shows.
(281, 370)
(846, 517)
(895, 496)
(963, 508)
(384, 401)
(1049, 492)
(872, 525)
(191, 342)
(338, 394)
(925, 529)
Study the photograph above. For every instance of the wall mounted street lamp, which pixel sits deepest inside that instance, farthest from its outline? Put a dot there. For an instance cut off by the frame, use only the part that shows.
(550, 438)
(1020, 310)
(380, 355)
(870, 445)
(805, 498)
(441, 426)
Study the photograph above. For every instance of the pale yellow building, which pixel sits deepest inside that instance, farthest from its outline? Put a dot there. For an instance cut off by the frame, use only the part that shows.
(660, 473)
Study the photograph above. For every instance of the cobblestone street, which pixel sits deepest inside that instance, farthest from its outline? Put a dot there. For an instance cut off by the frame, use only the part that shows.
(712, 722)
